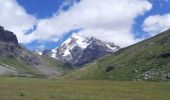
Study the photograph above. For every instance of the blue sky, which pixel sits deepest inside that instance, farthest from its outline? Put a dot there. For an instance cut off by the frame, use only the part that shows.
(45, 9)
(159, 7)
(41, 8)
(45, 24)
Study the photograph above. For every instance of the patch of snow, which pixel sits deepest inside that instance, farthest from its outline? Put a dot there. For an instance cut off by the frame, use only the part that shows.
(73, 41)
(53, 55)
(39, 53)
(112, 48)
(81, 41)
(67, 52)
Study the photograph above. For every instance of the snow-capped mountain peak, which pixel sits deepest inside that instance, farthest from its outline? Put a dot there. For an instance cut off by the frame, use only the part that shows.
(74, 41)
(79, 50)
(77, 40)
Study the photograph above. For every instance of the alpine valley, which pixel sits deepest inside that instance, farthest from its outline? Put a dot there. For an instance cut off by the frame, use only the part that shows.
(81, 57)
(84, 49)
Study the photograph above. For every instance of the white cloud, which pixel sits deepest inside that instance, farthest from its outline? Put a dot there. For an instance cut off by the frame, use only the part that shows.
(156, 24)
(109, 20)
(14, 18)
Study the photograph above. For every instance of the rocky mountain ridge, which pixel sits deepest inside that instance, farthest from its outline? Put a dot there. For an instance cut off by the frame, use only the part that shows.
(7, 36)
(9, 45)
(79, 50)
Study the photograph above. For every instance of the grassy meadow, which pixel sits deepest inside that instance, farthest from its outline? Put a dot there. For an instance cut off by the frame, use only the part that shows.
(46, 89)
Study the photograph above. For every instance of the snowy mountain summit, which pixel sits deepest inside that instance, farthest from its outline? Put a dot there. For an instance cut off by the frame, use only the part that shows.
(79, 50)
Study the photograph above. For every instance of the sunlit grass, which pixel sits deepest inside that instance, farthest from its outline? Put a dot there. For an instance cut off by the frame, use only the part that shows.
(41, 89)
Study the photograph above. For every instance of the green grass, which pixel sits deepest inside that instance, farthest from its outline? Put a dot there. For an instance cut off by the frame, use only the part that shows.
(41, 89)
(141, 61)
(60, 65)
(20, 66)
(24, 68)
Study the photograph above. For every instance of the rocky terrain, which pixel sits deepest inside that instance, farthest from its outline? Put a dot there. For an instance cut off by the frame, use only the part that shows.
(7, 36)
(9, 47)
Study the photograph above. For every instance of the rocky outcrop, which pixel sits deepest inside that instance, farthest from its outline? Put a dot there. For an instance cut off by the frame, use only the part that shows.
(9, 47)
(47, 53)
(7, 36)
(165, 55)
(8, 43)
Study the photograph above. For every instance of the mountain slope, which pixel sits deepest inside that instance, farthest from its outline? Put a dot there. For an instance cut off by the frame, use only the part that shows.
(79, 50)
(15, 60)
(49, 67)
(147, 60)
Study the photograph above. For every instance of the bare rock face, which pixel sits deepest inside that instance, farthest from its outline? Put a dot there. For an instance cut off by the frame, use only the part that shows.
(47, 52)
(9, 47)
(7, 36)
(8, 43)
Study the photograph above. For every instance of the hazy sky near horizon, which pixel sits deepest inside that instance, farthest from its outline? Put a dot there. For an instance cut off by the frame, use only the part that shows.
(44, 24)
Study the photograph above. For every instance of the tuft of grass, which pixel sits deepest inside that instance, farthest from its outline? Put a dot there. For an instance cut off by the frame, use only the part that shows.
(21, 94)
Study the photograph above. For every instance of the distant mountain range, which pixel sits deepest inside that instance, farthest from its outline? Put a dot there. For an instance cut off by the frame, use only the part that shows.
(79, 50)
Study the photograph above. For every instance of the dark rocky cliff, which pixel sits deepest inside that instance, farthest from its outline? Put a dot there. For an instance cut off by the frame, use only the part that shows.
(10, 48)
(7, 36)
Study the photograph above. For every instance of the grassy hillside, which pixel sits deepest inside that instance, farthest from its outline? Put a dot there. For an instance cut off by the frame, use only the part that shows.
(61, 67)
(49, 67)
(40, 89)
(147, 60)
